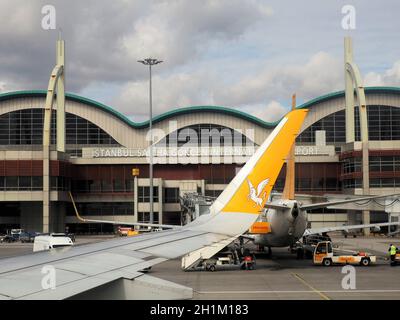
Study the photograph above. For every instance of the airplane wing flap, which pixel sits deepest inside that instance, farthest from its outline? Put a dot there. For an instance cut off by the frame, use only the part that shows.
(73, 276)
(182, 246)
(73, 288)
(131, 271)
(130, 253)
(96, 263)
(166, 238)
(32, 282)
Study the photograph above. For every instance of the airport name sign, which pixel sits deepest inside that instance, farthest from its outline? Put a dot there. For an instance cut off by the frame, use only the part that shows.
(183, 155)
(224, 151)
(115, 153)
(306, 150)
(314, 151)
(169, 152)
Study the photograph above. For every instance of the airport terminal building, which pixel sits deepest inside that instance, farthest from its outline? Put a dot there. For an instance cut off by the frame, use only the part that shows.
(103, 146)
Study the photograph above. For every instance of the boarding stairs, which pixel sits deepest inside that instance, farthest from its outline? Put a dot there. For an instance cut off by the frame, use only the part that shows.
(193, 258)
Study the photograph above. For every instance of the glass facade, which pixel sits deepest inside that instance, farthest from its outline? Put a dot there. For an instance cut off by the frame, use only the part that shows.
(144, 194)
(171, 195)
(82, 132)
(384, 163)
(213, 193)
(383, 124)
(60, 183)
(384, 182)
(25, 183)
(104, 209)
(91, 228)
(218, 174)
(10, 209)
(206, 135)
(334, 126)
(103, 186)
(312, 178)
(351, 165)
(384, 172)
(172, 217)
(144, 217)
(352, 183)
(384, 166)
(25, 127)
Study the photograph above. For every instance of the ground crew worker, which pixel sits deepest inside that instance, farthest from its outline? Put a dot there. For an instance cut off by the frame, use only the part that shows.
(392, 252)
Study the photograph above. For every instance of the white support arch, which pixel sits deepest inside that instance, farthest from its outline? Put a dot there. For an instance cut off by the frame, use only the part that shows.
(354, 72)
(56, 79)
(55, 74)
(353, 82)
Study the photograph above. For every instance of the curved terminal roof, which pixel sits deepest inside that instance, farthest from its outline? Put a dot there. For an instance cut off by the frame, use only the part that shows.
(187, 110)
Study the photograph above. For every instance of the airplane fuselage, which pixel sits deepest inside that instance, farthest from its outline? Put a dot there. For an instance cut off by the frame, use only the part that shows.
(287, 226)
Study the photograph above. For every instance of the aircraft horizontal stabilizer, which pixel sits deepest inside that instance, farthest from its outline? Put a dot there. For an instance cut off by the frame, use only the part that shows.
(276, 206)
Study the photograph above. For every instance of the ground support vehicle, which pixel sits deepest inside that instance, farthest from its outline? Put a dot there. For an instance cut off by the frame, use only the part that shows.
(323, 255)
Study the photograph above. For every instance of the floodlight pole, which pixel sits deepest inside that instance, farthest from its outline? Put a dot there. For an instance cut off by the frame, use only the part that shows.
(150, 62)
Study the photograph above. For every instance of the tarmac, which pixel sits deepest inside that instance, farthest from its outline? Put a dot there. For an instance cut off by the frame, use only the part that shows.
(278, 277)
(283, 277)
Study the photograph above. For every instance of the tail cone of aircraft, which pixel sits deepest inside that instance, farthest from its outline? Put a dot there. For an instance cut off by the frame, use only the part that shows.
(294, 214)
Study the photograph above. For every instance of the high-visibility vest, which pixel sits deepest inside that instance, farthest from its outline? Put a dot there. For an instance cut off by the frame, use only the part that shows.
(392, 250)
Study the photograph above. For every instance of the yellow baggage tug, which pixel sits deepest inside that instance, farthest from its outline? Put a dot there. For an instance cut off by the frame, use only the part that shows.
(323, 255)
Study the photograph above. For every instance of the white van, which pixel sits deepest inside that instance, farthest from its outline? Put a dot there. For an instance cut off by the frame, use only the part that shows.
(53, 240)
(16, 233)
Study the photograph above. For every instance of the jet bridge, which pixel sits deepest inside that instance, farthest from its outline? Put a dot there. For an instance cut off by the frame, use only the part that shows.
(193, 205)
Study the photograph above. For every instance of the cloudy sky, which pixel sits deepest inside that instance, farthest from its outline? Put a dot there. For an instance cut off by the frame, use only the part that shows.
(249, 55)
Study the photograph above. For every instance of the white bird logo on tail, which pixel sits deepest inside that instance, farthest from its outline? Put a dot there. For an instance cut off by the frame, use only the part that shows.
(256, 195)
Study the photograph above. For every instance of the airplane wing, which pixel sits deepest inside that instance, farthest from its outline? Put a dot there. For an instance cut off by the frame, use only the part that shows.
(140, 224)
(304, 195)
(348, 227)
(113, 269)
(332, 203)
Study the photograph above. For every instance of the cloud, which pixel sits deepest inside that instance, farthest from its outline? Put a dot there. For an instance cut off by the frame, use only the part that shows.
(2, 86)
(389, 77)
(250, 55)
(178, 31)
(174, 91)
(104, 39)
(322, 73)
(257, 93)
(271, 112)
